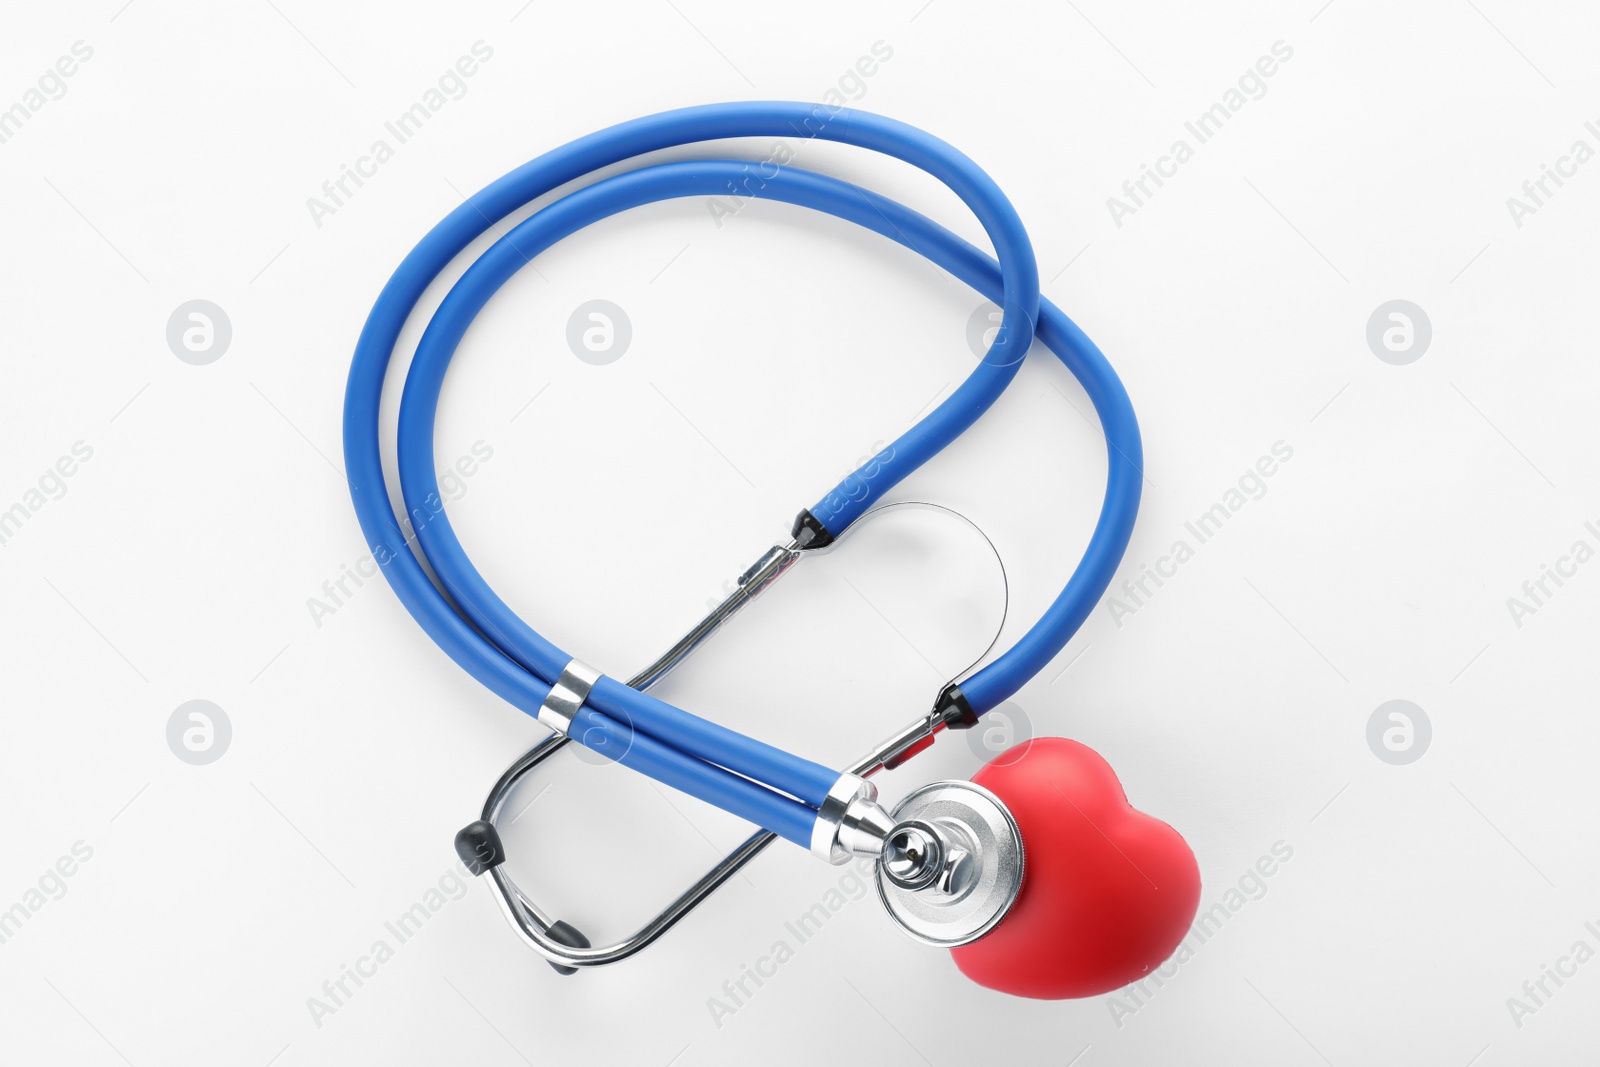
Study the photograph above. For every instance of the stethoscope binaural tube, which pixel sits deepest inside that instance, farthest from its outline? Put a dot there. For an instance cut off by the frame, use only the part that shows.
(510, 657)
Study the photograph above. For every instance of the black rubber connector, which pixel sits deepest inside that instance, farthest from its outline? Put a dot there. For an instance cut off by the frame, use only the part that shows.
(568, 935)
(953, 709)
(478, 845)
(808, 531)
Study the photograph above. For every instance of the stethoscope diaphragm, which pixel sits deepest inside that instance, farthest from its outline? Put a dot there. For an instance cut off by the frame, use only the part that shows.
(975, 856)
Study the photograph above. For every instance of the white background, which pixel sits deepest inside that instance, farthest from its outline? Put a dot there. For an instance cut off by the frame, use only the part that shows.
(768, 354)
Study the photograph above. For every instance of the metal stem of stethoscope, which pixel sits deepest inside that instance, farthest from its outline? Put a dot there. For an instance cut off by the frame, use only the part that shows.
(564, 946)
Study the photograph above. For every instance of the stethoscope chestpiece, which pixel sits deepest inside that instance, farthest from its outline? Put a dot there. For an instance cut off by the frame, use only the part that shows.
(952, 866)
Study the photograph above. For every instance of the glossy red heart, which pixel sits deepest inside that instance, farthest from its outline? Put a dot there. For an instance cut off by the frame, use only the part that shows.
(1108, 892)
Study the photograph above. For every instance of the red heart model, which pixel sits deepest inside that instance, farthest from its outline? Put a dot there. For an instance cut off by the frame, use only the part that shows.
(1107, 891)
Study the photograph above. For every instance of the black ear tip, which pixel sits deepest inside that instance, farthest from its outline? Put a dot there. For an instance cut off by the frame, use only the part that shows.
(478, 845)
(568, 935)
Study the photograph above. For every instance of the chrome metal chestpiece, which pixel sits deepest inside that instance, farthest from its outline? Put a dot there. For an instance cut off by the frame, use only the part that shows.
(949, 860)
(968, 866)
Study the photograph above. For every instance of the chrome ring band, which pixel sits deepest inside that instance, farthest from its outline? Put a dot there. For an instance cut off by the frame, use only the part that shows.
(567, 696)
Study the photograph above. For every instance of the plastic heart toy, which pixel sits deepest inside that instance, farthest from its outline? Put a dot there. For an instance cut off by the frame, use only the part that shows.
(1108, 892)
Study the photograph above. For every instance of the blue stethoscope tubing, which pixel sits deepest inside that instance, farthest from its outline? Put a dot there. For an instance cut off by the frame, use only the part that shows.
(758, 782)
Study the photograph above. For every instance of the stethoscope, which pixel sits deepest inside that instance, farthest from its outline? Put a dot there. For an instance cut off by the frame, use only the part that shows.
(954, 858)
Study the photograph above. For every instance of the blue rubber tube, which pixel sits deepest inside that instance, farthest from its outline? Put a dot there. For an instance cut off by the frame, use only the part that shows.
(489, 613)
(533, 236)
(787, 818)
(490, 663)
(1042, 642)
